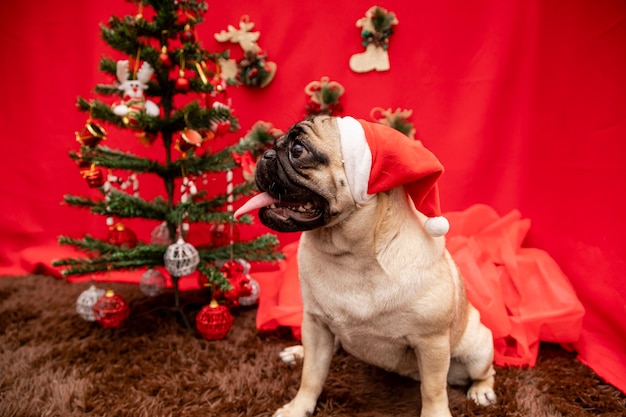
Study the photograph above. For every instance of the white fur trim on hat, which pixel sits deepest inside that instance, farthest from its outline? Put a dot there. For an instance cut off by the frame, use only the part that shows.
(437, 226)
(357, 157)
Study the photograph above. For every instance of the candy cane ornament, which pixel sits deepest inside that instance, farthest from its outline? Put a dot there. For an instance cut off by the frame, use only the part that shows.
(188, 189)
(131, 181)
(229, 208)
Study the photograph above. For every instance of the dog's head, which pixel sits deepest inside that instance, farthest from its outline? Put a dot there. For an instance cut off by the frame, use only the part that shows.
(302, 179)
(324, 168)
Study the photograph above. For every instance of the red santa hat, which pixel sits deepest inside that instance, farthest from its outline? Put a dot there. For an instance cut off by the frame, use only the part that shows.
(378, 158)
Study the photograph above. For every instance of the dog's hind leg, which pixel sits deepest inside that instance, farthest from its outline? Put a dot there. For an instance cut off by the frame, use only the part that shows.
(318, 342)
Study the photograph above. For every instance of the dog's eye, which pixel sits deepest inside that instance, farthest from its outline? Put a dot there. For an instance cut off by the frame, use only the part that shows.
(297, 150)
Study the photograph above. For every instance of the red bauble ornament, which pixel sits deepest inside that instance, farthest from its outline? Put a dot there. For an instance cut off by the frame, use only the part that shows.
(240, 283)
(164, 58)
(204, 283)
(121, 236)
(182, 84)
(187, 35)
(110, 310)
(220, 234)
(214, 321)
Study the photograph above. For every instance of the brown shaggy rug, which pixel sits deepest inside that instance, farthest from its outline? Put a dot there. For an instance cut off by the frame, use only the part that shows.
(53, 363)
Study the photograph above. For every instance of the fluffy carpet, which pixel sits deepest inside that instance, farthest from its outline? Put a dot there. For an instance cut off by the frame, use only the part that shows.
(53, 363)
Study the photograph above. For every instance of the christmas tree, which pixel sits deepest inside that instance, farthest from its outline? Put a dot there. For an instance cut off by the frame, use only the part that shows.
(170, 92)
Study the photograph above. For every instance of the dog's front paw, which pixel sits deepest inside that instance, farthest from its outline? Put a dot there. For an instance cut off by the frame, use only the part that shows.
(293, 410)
(482, 393)
(291, 354)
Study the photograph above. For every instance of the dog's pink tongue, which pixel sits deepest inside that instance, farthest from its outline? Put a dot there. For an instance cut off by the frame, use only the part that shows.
(258, 201)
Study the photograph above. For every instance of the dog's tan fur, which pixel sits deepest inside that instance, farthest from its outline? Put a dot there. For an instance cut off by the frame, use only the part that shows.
(390, 293)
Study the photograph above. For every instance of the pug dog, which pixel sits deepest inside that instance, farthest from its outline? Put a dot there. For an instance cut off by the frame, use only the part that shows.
(374, 278)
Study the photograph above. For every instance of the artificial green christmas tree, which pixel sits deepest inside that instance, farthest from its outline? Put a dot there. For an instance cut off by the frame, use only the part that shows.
(166, 66)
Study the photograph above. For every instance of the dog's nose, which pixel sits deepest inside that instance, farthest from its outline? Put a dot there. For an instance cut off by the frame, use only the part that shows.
(269, 154)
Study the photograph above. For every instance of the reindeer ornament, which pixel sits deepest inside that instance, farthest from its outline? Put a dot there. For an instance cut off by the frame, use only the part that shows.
(134, 101)
(253, 69)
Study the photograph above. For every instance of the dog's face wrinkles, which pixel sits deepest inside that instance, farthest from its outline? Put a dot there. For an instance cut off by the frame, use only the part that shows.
(303, 172)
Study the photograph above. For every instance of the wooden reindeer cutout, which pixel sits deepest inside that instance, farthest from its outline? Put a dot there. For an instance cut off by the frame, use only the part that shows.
(253, 69)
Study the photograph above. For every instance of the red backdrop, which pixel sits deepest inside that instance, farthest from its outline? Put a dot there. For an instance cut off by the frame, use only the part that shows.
(523, 101)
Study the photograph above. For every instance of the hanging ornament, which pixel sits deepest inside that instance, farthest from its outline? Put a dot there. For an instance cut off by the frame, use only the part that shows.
(121, 236)
(201, 73)
(160, 235)
(133, 101)
(398, 119)
(152, 283)
(258, 139)
(189, 10)
(147, 138)
(226, 234)
(91, 134)
(164, 58)
(189, 139)
(94, 177)
(221, 127)
(377, 27)
(111, 310)
(214, 321)
(220, 234)
(181, 84)
(247, 162)
(84, 164)
(218, 92)
(240, 284)
(188, 189)
(86, 301)
(323, 97)
(187, 34)
(255, 289)
(181, 258)
(220, 124)
(205, 284)
(131, 182)
(253, 70)
(253, 298)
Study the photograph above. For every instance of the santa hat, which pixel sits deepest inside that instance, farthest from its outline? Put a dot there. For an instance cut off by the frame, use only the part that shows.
(378, 158)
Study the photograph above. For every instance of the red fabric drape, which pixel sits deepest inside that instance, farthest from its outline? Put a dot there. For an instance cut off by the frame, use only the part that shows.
(522, 101)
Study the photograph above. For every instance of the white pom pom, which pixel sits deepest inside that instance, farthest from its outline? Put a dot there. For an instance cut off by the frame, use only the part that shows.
(437, 226)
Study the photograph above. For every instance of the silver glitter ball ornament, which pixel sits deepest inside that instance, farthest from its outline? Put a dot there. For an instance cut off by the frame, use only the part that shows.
(181, 258)
(86, 301)
(152, 283)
